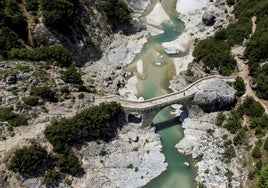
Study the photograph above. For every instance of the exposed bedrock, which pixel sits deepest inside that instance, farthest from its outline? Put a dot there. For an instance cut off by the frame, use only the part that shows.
(215, 96)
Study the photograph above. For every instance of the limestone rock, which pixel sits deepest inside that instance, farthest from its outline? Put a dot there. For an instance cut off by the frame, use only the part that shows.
(208, 18)
(11, 79)
(215, 96)
(133, 136)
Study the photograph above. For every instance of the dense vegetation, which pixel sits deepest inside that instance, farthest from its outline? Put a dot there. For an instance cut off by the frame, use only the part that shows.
(95, 122)
(239, 85)
(263, 181)
(67, 131)
(215, 52)
(44, 92)
(59, 14)
(117, 12)
(28, 159)
(55, 53)
(13, 119)
(71, 75)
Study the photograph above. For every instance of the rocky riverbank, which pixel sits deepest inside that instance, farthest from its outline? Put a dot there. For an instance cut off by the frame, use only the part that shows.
(132, 160)
(202, 19)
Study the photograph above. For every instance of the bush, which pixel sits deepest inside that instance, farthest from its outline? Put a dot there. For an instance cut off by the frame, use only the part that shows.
(118, 12)
(265, 146)
(59, 13)
(230, 2)
(261, 122)
(68, 163)
(50, 53)
(65, 90)
(81, 96)
(220, 118)
(63, 133)
(241, 137)
(18, 120)
(32, 5)
(263, 180)
(239, 85)
(251, 107)
(44, 92)
(14, 120)
(233, 122)
(71, 75)
(52, 178)
(28, 159)
(256, 153)
(31, 100)
(8, 40)
(215, 54)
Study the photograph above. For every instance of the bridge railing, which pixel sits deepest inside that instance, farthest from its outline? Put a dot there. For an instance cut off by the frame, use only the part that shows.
(183, 90)
(118, 98)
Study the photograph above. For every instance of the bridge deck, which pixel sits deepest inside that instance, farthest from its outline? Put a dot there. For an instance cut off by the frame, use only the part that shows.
(184, 93)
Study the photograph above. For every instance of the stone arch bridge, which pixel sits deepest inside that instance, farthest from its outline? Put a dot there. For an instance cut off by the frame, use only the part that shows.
(149, 108)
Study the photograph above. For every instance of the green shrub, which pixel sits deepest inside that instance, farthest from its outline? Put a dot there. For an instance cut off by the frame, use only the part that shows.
(130, 166)
(233, 122)
(31, 100)
(31, 5)
(251, 107)
(189, 72)
(215, 54)
(261, 122)
(52, 178)
(263, 180)
(256, 152)
(63, 133)
(8, 40)
(71, 75)
(265, 146)
(28, 159)
(220, 118)
(230, 2)
(118, 9)
(65, 90)
(18, 120)
(44, 92)
(50, 53)
(241, 137)
(6, 114)
(14, 120)
(81, 96)
(68, 163)
(59, 13)
(239, 85)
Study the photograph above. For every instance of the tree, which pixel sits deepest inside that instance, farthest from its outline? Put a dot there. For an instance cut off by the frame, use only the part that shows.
(28, 159)
(256, 152)
(239, 85)
(263, 180)
(71, 75)
(44, 92)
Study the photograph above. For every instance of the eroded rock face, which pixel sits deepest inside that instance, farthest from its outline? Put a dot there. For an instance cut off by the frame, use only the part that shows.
(215, 96)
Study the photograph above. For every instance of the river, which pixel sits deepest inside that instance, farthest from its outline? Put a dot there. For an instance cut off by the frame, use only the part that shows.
(158, 70)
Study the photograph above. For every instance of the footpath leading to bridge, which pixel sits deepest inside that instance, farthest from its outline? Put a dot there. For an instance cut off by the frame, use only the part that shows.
(149, 108)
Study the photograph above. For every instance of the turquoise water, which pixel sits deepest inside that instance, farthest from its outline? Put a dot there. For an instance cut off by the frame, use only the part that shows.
(158, 70)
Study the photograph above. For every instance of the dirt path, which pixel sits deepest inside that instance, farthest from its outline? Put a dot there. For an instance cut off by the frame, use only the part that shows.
(30, 24)
(244, 72)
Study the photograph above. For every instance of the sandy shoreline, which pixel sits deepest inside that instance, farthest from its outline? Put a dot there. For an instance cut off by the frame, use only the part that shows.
(157, 16)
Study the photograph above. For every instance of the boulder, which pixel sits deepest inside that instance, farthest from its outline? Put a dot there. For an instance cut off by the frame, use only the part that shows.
(133, 136)
(11, 79)
(208, 18)
(215, 96)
